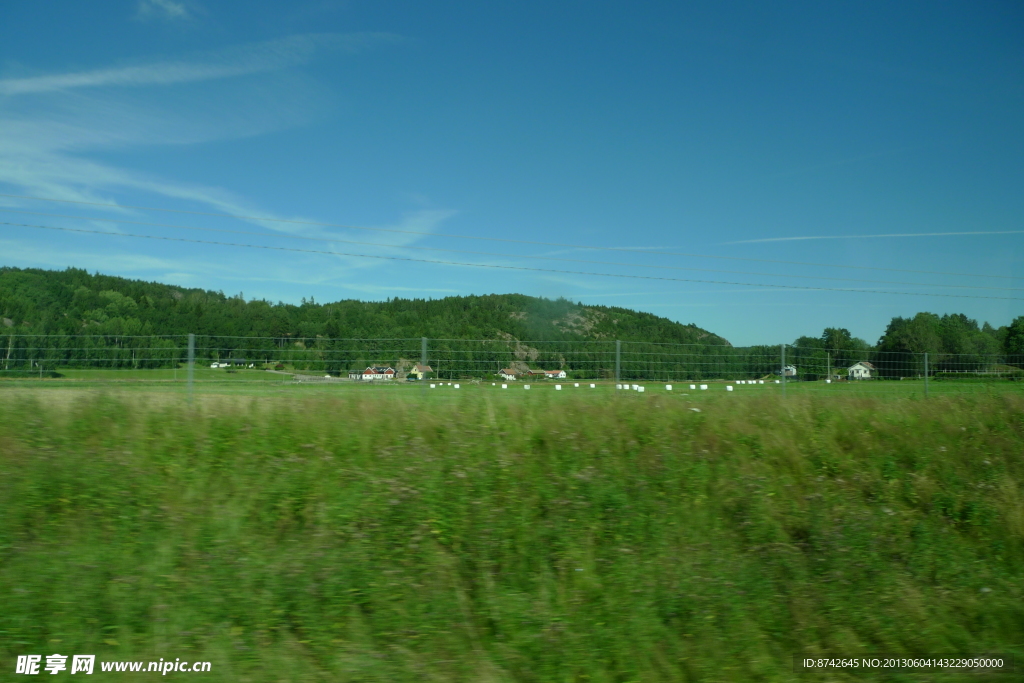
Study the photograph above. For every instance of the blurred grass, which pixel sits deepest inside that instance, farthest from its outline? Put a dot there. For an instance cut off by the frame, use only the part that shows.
(376, 538)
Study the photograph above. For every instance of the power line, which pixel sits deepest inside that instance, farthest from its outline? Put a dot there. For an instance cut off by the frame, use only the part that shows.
(489, 239)
(504, 267)
(501, 255)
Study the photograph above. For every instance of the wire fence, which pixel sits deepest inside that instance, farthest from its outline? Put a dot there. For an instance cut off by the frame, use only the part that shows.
(227, 358)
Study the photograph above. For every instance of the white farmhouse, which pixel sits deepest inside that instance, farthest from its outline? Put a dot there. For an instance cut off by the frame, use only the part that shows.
(554, 374)
(861, 370)
(378, 372)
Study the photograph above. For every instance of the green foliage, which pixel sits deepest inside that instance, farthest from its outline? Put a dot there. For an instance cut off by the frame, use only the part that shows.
(1014, 341)
(953, 342)
(530, 540)
(28, 374)
(132, 324)
(74, 302)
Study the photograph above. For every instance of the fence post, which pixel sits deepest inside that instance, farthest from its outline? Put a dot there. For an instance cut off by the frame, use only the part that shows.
(926, 374)
(782, 368)
(191, 362)
(618, 363)
(423, 363)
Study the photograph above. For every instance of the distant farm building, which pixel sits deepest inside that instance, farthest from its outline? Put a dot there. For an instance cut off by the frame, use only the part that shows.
(554, 374)
(861, 370)
(509, 374)
(377, 372)
(420, 371)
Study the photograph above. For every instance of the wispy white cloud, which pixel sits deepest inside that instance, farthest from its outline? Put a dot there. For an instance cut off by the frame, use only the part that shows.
(27, 253)
(53, 127)
(162, 9)
(898, 234)
(116, 256)
(230, 62)
(45, 140)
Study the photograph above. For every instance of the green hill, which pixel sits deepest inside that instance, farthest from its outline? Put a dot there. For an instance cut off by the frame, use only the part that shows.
(72, 301)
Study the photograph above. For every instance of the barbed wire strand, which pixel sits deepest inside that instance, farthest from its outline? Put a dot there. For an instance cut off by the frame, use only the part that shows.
(521, 256)
(487, 239)
(507, 267)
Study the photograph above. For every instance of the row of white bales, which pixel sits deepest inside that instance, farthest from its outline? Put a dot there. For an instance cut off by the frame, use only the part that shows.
(630, 387)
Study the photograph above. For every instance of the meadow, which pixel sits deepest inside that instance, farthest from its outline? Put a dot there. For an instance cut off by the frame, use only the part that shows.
(357, 533)
(256, 382)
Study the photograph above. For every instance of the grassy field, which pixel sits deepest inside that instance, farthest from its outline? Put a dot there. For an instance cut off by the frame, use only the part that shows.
(222, 381)
(353, 533)
(201, 373)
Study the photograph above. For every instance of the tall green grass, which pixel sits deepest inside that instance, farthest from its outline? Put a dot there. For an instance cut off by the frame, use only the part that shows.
(372, 538)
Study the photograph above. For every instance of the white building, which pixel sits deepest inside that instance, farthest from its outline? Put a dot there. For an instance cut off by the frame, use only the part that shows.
(861, 370)
(377, 372)
(554, 374)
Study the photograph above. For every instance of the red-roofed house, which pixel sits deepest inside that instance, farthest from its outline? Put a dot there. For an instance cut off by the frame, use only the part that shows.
(377, 372)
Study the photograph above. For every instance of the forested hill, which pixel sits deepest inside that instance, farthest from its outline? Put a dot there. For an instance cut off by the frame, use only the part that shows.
(72, 301)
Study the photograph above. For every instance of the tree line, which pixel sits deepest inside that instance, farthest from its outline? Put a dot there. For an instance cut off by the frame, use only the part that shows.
(71, 318)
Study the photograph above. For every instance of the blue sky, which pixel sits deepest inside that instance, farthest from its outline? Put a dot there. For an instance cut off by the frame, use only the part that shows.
(842, 134)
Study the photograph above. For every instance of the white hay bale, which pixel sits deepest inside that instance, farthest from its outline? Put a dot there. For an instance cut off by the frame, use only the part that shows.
(504, 386)
(558, 387)
(577, 384)
(693, 387)
(728, 388)
(703, 387)
(593, 386)
(526, 386)
(433, 386)
(668, 387)
(456, 386)
(640, 389)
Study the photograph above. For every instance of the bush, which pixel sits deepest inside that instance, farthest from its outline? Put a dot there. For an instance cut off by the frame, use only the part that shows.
(29, 374)
(979, 376)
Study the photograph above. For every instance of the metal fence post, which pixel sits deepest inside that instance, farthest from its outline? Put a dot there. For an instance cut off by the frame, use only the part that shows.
(926, 374)
(618, 363)
(191, 362)
(423, 362)
(782, 368)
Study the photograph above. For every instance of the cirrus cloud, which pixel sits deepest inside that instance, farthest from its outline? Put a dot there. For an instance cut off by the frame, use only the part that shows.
(235, 61)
